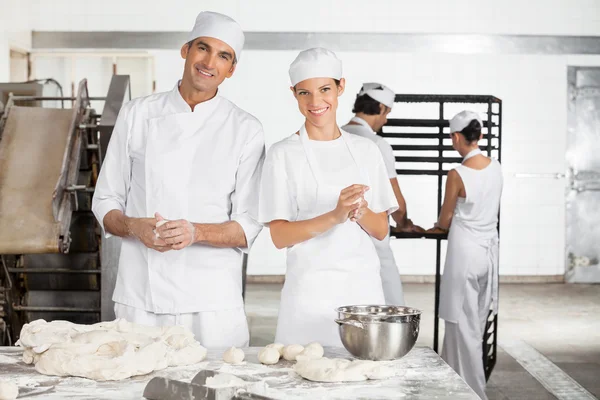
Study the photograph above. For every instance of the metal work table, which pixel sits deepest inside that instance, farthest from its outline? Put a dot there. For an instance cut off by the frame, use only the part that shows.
(422, 375)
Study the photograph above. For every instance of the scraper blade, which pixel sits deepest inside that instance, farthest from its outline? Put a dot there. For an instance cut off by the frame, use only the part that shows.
(160, 388)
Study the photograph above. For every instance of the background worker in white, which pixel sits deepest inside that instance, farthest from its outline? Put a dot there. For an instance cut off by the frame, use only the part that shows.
(324, 193)
(371, 107)
(469, 285)
(194, 158)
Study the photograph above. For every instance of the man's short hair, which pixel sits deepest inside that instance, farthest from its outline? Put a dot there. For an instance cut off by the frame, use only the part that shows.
(191, 42)
(367, 105)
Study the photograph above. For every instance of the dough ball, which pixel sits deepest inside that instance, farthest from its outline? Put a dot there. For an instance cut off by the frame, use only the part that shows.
(277, 346)
(290, 352)
(269, 356)
(313, 350)
(8, 390)
(233, 356)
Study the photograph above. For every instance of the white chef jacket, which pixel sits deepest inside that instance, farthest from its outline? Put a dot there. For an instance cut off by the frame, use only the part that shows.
(365, 130)
(203, 166)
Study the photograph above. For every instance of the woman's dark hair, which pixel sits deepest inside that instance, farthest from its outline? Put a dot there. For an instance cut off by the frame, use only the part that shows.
(367, 105)
(472, 132)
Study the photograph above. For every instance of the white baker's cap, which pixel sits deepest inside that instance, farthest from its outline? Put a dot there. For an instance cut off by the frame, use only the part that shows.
(315, 63)
(219, 26)
(461, 120)
(379, 92)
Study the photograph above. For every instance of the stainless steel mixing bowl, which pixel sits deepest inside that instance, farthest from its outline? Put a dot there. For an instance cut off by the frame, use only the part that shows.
(378, 332)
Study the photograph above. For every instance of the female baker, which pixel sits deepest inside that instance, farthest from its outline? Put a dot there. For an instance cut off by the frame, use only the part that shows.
(324, 194)
(469, 286)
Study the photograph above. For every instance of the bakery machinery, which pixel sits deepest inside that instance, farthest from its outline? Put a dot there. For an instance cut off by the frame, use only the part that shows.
(52, 257)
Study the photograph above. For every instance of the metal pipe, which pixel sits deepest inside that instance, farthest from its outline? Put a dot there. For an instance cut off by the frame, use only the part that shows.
(53, 271)
(438, 242)
(41, 98)
(428, 147)
(7, 274)
(55, 309)
(440, 159)
(433, 172)
(80, 188)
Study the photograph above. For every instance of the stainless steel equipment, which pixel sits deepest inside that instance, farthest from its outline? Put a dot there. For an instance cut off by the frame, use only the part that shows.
(160, 388)
(583, 176)
(375, 332)
(50, 244)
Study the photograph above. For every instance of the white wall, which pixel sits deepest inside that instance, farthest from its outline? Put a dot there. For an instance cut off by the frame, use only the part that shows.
(532, 87)
(558, 17)
(15, 32)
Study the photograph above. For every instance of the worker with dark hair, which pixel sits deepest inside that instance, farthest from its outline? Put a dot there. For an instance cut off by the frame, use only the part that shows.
(373, 103)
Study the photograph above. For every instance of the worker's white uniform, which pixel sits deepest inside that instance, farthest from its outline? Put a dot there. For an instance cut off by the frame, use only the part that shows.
(390, 276)
(203, 166)
(302, 179)
(469, 284)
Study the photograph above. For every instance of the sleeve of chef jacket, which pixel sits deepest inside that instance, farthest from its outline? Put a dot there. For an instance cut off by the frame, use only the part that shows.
(389, 159)
(244, 199)
(277, 201)
(382, 194)
(115, 174)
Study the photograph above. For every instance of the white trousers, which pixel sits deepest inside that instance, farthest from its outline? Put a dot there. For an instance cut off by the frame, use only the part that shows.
(462, 348)
(390, 277)
(213, 329)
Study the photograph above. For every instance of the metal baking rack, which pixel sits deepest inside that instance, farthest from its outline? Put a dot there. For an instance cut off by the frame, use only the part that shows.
(429, 139)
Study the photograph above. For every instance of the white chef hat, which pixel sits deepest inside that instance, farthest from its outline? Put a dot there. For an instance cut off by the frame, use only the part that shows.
(461, 120)
(315, 63)
(379, 92)
(219, 26)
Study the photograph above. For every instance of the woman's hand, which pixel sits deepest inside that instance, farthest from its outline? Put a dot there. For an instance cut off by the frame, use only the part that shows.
(436, 230)
(357, 214)
(349, 201)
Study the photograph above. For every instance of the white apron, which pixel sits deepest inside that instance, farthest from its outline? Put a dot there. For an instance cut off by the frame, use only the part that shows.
(337, 268)
(466, 247)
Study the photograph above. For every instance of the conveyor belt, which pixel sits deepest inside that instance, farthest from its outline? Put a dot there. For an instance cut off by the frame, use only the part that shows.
(34, 149)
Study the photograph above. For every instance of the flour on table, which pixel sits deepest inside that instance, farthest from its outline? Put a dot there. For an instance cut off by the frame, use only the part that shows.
(106, 351)
(341, 370)
(225, 380)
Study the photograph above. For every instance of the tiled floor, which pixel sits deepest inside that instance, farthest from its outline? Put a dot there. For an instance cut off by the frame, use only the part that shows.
(561, 321)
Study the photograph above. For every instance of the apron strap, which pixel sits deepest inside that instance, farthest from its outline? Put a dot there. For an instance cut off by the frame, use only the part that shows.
(472, 154)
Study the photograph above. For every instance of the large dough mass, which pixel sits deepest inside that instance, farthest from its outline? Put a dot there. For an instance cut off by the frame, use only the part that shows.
(340, 370)
(105, 351)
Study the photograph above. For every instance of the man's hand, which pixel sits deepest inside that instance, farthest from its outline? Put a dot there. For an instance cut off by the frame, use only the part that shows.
(178, 234)
(143, 230)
